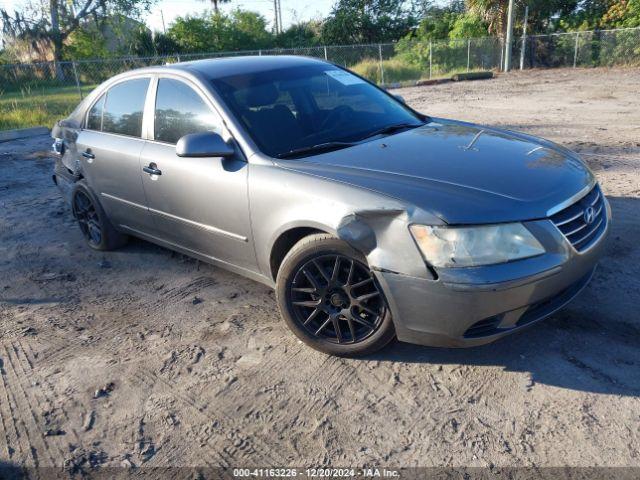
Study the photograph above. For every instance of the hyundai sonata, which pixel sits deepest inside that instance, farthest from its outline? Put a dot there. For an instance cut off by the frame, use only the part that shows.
(371, 220)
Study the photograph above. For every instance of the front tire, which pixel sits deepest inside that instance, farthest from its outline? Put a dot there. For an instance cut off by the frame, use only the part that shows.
(330, 299)
(94, 224)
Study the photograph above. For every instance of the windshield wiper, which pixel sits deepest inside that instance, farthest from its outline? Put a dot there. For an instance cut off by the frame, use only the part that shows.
(391, 129)
(328, 146)
(319, 148)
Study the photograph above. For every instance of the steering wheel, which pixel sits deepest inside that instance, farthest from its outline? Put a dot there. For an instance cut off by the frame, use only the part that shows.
(335, 116)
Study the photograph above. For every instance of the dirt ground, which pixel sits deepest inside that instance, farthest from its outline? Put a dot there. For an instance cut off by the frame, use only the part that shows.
(142, 357)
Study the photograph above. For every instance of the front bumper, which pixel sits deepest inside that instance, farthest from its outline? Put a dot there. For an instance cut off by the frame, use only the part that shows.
(474, 306)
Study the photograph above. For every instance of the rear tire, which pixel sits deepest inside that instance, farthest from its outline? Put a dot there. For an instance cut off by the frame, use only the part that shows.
(94, 224)
(330, 299)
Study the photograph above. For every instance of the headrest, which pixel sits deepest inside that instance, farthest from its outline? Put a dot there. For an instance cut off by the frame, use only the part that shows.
(262, 95)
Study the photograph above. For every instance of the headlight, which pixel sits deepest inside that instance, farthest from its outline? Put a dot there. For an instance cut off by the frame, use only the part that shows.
(473, 246)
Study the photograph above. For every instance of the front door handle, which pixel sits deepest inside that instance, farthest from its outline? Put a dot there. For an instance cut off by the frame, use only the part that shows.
(152, 169)
(88, 154)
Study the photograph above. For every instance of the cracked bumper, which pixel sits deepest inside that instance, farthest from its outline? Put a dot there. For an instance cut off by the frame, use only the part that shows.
(469, 307)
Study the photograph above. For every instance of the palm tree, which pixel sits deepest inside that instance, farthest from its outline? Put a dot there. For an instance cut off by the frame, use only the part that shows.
(215, 4)
(494, 12)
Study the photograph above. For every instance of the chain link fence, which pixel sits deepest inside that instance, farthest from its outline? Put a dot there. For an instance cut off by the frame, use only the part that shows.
(54, 88)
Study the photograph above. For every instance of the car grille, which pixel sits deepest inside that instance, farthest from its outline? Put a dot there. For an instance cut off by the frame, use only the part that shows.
(572, 221)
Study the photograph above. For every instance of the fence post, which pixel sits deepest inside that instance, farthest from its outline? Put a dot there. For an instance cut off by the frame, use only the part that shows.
(430, 58)
(325, 53)
(575, 51)
(75, 74)
(260, 52)
(381, 65)
(468, 54)
(524, 37)
(509, 39)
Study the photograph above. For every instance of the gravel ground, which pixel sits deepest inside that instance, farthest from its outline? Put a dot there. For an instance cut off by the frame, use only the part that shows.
(142, 357)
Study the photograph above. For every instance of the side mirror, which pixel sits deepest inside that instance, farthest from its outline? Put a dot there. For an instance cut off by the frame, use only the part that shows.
(205, 144)
(400, 98)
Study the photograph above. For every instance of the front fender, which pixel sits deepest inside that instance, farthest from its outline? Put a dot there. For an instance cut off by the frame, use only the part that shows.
(282, 199)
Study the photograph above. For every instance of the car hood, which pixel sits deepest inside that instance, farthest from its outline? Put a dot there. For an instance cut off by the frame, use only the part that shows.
(460, 172)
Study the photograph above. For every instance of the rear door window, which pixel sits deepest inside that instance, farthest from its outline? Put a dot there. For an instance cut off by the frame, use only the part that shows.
(124, 106)
(181, 111)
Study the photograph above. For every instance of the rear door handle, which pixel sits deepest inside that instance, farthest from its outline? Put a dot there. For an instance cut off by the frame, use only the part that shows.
(152, 169)
(88, 154)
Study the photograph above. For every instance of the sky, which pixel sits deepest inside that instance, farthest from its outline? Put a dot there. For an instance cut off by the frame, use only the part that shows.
(292, 10)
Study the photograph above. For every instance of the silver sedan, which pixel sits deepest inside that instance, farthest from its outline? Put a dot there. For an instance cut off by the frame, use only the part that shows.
(371, 220)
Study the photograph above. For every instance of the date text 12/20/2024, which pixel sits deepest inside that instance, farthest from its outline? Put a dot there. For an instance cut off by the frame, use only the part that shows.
(315, 472)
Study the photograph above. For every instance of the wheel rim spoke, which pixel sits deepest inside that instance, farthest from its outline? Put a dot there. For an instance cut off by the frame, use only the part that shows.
(322, 272)
(336, 270)
(350, 275)
(311, 279)
(362, 283)
(307, 303)
(313, 315)
(368, 296)
(94, 231)
(369, 311)
(304, 290)
(352, 330)
(323, 326)
(336, 327)
(356, 319)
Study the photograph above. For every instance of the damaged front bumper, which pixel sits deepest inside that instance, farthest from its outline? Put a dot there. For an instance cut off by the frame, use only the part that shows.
(466, 307)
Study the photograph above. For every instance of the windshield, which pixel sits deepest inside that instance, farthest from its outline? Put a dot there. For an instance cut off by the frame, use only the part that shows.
(297, 108)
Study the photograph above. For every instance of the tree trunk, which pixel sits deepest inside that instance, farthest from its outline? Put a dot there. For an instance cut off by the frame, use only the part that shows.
(215, 6)
(56, 39)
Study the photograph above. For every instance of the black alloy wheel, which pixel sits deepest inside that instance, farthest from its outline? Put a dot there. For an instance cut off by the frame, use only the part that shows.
(335, 299)
(94, 224)
(87, 216)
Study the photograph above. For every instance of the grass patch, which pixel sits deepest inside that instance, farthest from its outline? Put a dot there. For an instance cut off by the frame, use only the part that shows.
(395, 70)
(399, 71)
(33, 107)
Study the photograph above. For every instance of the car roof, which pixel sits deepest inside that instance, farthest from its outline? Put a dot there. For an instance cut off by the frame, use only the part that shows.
(222, 67)
(209, 68)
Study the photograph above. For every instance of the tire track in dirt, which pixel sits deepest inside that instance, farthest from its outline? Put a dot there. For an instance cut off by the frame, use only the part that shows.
(7, 419)
(240, 449)
(20, 438)
(152, 382)
(45, 399)
(272, 364)
(182, 293)
(147, 308)
(177, 294)
(24, 412)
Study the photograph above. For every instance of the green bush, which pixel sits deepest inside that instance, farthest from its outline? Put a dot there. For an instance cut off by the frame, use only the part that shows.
(395, 70)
